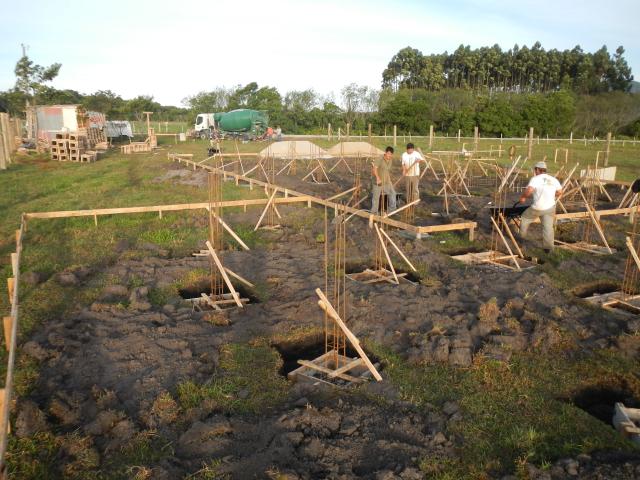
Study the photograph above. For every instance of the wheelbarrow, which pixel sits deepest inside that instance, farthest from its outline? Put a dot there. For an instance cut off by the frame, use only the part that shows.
(509, 213)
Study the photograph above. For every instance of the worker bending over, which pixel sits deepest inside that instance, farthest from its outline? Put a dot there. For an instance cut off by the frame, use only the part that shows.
(381, 176)
(545, 190)
(411, 172)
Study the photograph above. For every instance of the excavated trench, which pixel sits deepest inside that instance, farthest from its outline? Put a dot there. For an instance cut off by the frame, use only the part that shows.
(599, 400)
(595, 288)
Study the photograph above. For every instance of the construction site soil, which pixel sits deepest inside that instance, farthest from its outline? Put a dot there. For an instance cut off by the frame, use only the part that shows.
(105, 367)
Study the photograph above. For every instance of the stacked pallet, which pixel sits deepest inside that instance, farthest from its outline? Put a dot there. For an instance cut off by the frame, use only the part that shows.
(148, 145)
(73, 147)
(136, 147)
(95, 136)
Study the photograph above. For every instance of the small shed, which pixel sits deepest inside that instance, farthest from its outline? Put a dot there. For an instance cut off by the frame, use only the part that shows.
(53, 119)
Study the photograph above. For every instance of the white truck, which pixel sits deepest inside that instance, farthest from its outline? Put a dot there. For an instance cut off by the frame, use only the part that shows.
(205, 122)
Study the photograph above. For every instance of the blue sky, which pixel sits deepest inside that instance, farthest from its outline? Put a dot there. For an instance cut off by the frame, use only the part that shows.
(174, 49)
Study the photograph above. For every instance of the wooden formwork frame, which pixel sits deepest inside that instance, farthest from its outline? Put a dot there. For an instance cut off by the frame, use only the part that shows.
(418, 231)
(318, 364)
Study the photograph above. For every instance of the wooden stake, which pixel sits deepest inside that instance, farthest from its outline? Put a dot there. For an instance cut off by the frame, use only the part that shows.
(231, 232)
(633, 252)
(397, 210)
(404, 257)
(506, 244)
(238, 277)
(264, 212)
(10, 287)
(7, 324)
(508, 230)
(225, 277)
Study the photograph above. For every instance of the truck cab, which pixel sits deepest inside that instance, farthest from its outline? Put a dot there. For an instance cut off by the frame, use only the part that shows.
(205, 122)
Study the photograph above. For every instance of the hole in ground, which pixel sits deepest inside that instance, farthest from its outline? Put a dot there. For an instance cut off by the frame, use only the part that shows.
(309, 348)
(595, 288)
(352, 268)
(463, 250)
(599, 400)
(204, 286)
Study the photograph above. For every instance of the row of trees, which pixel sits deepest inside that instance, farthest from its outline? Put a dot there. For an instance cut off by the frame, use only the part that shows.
(408, 104)
(105, 101)
(519, 69)
(296, 111)
(554, 113)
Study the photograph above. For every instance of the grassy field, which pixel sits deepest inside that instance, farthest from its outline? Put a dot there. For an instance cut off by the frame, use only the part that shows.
(513, 413)
(624, 156)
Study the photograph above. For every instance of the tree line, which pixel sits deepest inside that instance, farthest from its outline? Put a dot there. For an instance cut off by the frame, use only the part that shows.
(464, 101)
(519, 69)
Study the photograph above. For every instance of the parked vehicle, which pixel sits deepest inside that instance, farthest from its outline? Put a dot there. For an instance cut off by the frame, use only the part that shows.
(245, 123)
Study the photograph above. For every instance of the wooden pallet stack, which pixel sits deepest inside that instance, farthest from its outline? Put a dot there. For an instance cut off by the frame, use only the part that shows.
(148, 145)
(72, 147)
(96, 137)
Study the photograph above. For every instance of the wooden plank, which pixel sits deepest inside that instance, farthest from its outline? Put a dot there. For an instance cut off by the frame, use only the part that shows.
(511, 237)
(210, 302)
(585, 247)
(157, 208)
(320, 201)
(4, 404)
(264, 212)
(596, 223)
(225, 277)
(238, 277)
(447, 227)
(381, 274)
(345, 368)
(231, 232)
(341, 194)
(7, 323)
(328, 371)
(355, 343)
(504, 241)
(398, 210)
(14, 264)
(400, 252)
(11, 288)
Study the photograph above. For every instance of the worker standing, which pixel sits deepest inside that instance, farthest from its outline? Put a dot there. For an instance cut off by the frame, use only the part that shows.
(545, 190)
(381, 177)
(278, 133)
(411, 172)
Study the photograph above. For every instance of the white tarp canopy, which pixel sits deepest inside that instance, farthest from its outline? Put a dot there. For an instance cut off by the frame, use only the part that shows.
(299, 149)
(118, 128)
(354, 149)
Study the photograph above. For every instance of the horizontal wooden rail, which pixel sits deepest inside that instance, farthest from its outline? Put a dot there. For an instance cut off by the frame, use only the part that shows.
(7, 392)
(159, 208)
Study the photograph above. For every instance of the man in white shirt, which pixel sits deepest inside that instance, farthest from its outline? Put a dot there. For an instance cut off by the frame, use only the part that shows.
(411, 172)
(545, 190)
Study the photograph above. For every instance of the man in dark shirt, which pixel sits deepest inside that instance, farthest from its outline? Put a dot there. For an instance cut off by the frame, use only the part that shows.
(381, 182)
